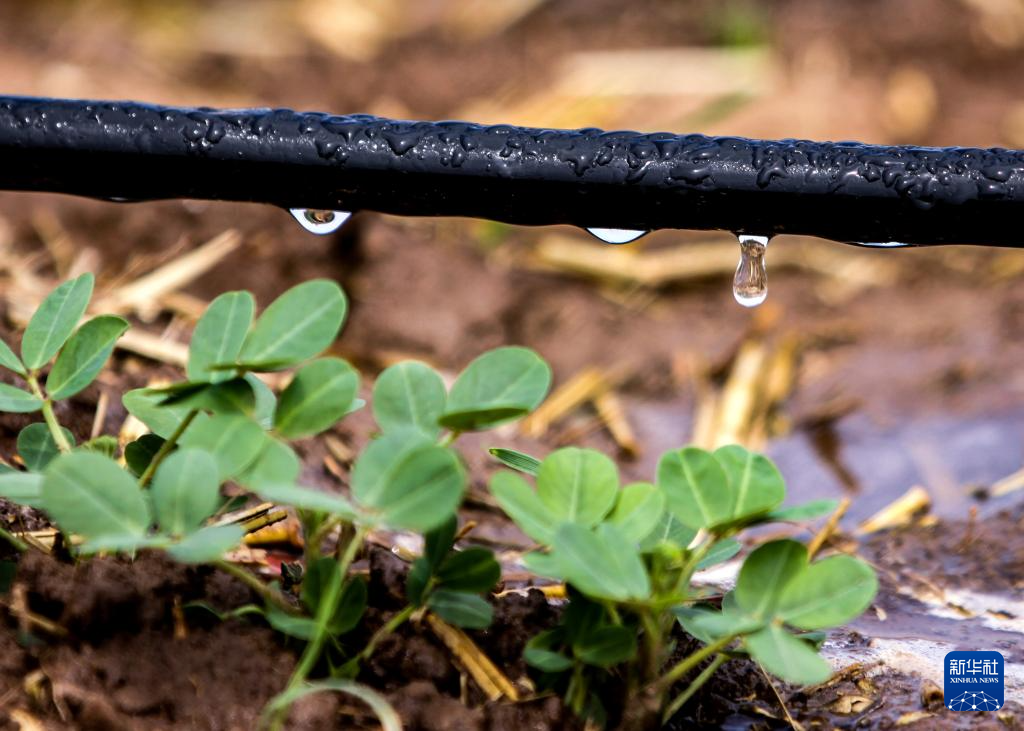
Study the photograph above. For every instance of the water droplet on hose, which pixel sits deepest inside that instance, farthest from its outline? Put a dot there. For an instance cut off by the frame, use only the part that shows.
(750, 284)
(319, 221)
(617, 235)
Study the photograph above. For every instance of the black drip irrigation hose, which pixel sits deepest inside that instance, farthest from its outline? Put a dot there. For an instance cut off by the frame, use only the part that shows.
(846, 191)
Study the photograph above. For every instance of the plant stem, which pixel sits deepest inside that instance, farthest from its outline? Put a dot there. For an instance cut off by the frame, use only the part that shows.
(19, 545)
(687, 694)
(689, 663)
(396, 621)
(450, 437)
(166, 448)
(265, 591)
(51, 419)
(328, 605)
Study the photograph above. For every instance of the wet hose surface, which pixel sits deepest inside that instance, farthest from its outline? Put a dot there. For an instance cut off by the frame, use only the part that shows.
(844, 191)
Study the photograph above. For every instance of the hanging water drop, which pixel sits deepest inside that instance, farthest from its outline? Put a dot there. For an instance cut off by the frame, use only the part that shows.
(750, 284)
(617, 235)
(319, 221)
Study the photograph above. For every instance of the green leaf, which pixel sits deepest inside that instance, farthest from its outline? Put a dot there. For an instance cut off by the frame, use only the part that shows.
(602, 564)
(765, 574)
(409, 395)
(185, 491)
(318, 396)
(219, 335)
(36, 445)
(416, 581)
(105, 444)
(521, 503)
(638, 510)
(301, 628)
(668, 530)
(351, 604)
(114, 543)
(828, 593)
(207, 544)
(387, 716)
(754, 481)
(499, 386)
(266, 401)
(539, 653)
(84, 356)
(88, 494)
(227, 397)
(696, 487)
(23, 488)
(707, 625)
(421, 490)
(784, 655)
(306, 498)
(144, 405)
(15, 401)
(140, 453)
(518, 461)
(805, 511)
(277, 464)
(720, 552)
(52, 323)
(438, 542)
(606, 646)
(461, 609)
(578, 485)
(234, 441)
(10, 361)
(473, 569)
(296, 326)
(380, 456)
(543, 564)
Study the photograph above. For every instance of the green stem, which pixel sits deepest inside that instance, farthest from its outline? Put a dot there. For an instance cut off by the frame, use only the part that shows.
(687, 694)
(328, 605)
(450, 437)
(266, 592)
(166, 448)
(689, 663)
(19, 545)
(56, 432)
(396, 621)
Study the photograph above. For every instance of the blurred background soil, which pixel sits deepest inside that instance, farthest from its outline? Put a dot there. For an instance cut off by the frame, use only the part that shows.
(868, 375)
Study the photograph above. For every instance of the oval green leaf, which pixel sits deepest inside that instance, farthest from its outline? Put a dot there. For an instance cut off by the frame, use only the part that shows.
(409, 395)
(305, 498)
(37, 447)
(764, 576)
(185, 491)
(603, 564)
(474, 570)
(277, 464)
(578, 485)
(23, 488)
(53, 322)
(828, 593)
(499, 386)
(89, 494)
(463, 610)
(421, 491)
(145, 405)
(784, 655)
(207, 544)
(10, 361)
(84, 355)
(234, 441)
(319, 395)
(754, 481)
(219, 335)
(521, 503)
(638, 510)
(298, 325)
(15, 401)
(696, 487)
(519, 461)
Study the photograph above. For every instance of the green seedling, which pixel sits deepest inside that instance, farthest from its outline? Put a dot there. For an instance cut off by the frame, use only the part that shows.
(223, 425)
(628, 557)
